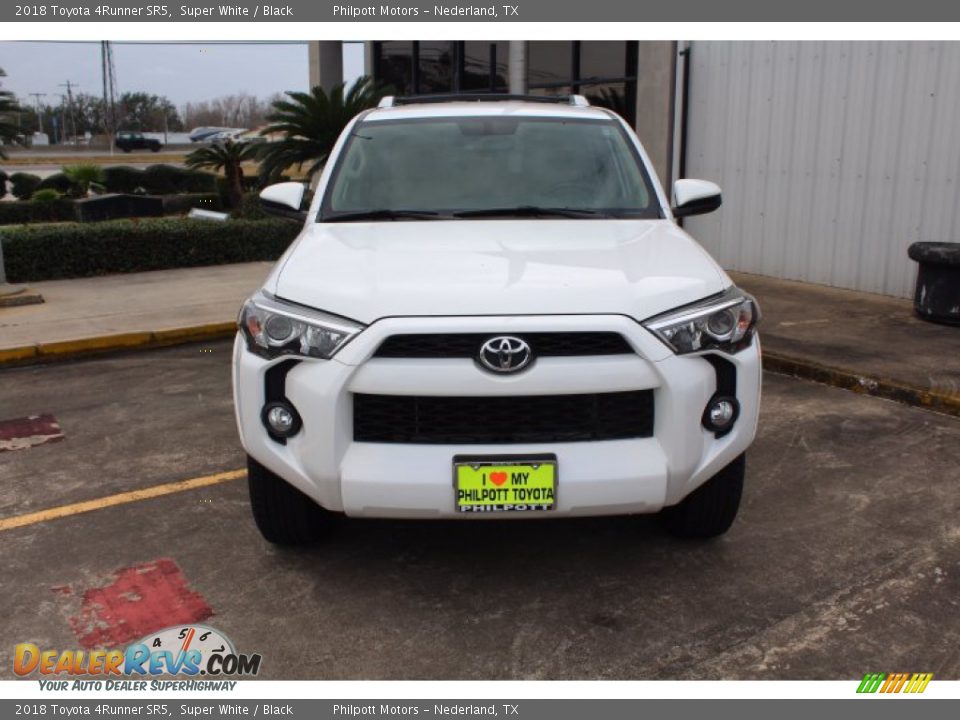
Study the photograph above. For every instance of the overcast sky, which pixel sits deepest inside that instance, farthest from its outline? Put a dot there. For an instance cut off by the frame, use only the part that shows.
(184, 72)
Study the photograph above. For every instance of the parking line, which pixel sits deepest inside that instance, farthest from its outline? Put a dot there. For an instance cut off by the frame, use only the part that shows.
(119, 499)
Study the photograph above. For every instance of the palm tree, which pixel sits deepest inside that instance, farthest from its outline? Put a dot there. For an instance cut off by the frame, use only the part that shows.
(311, 123)
(229, 157)
(9, 132)
(85, 176)
(612, 99)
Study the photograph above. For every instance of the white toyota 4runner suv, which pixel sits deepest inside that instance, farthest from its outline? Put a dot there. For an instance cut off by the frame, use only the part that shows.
(491, 312)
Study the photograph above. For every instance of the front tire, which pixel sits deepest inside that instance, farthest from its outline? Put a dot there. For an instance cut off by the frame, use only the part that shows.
(283, 514)
(709, 510)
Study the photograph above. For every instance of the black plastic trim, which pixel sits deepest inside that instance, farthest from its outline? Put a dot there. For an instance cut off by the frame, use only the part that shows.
(726, 373)
(274, 391)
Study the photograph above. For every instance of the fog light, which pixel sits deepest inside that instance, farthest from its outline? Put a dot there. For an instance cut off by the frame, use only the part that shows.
(720, 414)
(281, 419)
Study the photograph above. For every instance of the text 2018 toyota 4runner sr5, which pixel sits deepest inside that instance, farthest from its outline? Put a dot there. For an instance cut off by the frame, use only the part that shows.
(491, 312)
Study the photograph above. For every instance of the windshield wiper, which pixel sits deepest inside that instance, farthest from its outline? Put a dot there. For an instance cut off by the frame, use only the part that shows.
(383, 215)
(531, 211)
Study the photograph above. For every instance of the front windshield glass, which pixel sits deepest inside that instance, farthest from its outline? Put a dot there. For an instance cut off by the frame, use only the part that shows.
(481, 165)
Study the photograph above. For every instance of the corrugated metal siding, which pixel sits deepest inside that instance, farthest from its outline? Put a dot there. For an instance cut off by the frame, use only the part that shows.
(833, 156)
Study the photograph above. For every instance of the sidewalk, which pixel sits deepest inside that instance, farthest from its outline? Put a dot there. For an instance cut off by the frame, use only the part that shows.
(867, 343)
(127, 311)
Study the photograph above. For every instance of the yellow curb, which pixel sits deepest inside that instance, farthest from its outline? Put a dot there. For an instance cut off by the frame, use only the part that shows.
(17, 354)
(68, 349)
(197, 332)
(935, 400)
(103, 342)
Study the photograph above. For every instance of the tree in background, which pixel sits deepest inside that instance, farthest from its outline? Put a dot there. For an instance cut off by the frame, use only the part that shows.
(85, 177)
(240, 110)
(228, 157)
(9, 131)
(310, 124)
(148, 113)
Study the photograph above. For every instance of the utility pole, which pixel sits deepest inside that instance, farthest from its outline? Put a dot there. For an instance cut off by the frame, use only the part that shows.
(63, 119)
(73, 119)
(36, 97)
(109, 91)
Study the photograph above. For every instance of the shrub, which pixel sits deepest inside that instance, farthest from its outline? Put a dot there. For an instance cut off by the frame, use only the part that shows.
(122, 179)
(168, 179)
(59, 182)
(250, 208)
(162, 179)
(197, 181)
(184, 203)
(21, 212)
(3, 184)
(39, 252)
(45, 195)
(85, 176)
(24, 184)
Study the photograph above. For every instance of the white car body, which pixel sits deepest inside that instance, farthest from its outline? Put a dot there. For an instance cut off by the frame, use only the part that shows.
(496, 277)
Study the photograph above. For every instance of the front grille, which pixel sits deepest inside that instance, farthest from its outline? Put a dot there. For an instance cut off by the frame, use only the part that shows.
(467, 345)
(502, 420)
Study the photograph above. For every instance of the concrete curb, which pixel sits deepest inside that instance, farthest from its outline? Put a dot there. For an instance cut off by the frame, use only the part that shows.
(70, 349)
(927, 398)
(942, 402)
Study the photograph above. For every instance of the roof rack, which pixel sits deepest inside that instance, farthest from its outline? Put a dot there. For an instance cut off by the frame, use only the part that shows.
(392, 101)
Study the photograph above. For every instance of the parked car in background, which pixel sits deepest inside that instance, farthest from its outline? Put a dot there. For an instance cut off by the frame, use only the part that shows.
(220, 138)
(203, 134)
(128, 140)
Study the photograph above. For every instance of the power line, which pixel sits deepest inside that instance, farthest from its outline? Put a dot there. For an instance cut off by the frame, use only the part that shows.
(73, 119)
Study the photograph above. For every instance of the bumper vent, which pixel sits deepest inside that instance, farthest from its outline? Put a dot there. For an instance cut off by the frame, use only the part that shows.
(467, 345)
(502, 420)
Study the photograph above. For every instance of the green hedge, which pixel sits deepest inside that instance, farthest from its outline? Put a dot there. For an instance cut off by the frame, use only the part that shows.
(3, 184)
(53, 252)
(59, 182)
(21, 212)
(182, 204)
(158, 180)
(23, 184)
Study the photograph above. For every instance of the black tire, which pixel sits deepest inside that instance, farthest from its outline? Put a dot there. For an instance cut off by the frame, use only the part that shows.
(155, 148)
(283, 514)
(709, 510)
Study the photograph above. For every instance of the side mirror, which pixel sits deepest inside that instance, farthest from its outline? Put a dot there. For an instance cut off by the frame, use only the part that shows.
(695, 197)
(284, 199)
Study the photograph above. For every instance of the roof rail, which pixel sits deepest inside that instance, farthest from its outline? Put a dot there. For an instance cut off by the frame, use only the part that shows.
(392, 101)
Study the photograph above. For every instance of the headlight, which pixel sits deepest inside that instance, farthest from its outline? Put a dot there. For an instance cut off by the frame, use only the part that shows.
(273, 328)
(725, 322)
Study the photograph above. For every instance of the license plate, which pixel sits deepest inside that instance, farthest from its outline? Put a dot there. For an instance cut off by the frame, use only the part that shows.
(505, 485)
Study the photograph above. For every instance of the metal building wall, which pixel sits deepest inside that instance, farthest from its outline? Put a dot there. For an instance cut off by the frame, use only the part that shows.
(833, 156)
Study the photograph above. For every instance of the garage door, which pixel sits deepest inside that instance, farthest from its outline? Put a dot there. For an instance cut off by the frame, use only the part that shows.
(833, 157)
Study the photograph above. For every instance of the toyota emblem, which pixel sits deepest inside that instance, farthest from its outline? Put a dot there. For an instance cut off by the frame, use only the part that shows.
(505, 354)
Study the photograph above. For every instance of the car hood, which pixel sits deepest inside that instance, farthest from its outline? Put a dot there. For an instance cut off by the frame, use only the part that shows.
(368, 271)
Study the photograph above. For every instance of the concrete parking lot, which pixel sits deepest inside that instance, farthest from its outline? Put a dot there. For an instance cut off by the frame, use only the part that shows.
(845, 558)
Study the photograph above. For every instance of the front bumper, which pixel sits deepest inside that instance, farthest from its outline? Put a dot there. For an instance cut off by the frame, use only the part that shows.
(609, 477)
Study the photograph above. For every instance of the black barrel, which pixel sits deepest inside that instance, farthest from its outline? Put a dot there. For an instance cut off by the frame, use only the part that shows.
(937, 297)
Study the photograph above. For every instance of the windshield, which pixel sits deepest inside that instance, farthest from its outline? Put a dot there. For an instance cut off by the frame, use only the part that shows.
(488, 166)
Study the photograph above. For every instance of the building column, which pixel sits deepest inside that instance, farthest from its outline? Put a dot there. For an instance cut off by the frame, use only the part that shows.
(517, 67)
(326, 63)
(656, 87)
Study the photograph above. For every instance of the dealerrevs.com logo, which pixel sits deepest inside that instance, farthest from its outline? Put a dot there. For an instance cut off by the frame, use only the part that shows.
(185, 650)
(892, 683)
